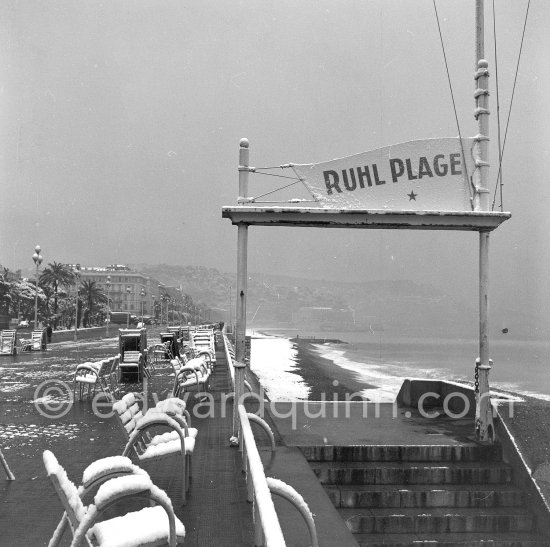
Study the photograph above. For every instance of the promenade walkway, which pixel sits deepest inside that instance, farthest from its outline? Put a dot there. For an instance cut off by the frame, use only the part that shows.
(216, 513)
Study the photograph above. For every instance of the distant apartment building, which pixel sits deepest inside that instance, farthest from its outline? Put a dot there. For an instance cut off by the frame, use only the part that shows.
(127, 290)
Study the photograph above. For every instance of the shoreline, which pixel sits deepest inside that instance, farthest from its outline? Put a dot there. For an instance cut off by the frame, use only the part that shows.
(527, 417)
(326, 379)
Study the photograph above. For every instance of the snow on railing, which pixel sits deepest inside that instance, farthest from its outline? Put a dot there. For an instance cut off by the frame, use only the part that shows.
(286, 491)
(230, 356)
(267, 529)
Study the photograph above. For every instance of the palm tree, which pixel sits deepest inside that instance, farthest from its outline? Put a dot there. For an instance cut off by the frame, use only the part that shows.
(55, 275)
(92, 294)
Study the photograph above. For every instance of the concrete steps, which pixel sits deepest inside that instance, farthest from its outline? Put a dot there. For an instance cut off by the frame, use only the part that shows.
(464, 540)
(425, 496)
(411, 473)
(437, 520)
(452, 495)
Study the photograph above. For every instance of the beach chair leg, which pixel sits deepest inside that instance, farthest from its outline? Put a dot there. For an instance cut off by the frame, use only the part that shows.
(189, 470)
(59, 531)
(10, 476)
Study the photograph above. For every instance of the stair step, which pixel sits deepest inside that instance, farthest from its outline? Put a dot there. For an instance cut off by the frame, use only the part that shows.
(452, 495)
(410, 473)
(432, 521)
(506, 539)
(401, 453)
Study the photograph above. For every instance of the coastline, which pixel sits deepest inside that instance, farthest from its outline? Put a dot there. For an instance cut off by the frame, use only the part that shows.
(526, 417)
(325, 379)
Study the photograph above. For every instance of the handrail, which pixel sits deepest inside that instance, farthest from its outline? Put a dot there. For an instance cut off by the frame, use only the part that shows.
(267, 524)
(286, 491)
(267, 528)
(229, 357)
(255, 418)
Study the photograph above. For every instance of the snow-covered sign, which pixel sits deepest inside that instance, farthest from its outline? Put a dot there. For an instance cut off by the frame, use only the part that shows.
(423, 175)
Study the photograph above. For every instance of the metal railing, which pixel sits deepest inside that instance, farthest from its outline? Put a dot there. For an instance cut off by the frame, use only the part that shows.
(267, 529)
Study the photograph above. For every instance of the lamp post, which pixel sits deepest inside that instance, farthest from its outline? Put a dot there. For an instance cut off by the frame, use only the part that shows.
(37, 257)
(108, 289)
(77, 282)
(160, 300)
(142, 293)
(153, 304)
(128, 291)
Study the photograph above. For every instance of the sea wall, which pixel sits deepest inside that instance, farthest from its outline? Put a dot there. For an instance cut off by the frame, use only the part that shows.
(456, 396)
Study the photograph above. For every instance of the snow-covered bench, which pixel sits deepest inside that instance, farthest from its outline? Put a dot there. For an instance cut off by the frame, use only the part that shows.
(103, 373)
(148, 445)
(192, 373)
(149, 526)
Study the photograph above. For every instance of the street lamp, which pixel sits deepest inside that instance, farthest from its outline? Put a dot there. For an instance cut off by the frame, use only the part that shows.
(77, 282)
(160, 300)
(108, 290)
(153, 296)
(37, 257)
(142, 293)
(128, 291)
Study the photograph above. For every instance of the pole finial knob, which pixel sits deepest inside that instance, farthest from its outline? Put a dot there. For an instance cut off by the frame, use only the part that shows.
(483, 63)
(244, 143)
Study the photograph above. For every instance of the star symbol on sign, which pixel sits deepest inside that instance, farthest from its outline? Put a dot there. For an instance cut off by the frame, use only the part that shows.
(412, 196)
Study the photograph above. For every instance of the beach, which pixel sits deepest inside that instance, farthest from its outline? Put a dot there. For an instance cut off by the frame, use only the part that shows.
(304, 361)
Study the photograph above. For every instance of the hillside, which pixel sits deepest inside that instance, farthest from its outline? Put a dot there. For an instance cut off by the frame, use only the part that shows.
(398, 306)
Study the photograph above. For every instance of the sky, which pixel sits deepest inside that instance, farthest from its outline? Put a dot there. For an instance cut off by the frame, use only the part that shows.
(121, 121)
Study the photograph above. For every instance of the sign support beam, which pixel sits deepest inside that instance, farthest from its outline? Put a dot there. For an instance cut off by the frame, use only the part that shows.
(242, 279)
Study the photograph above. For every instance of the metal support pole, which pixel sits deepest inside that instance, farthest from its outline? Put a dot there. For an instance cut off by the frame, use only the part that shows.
(242, 277)
(77, 283)
(35, 324)
(484, 411)
(242, 252)
(481, 149)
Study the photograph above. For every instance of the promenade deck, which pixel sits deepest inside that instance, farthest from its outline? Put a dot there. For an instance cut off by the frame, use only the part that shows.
(216, 513)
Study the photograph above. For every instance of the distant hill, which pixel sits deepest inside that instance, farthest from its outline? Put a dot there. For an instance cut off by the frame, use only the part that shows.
(397, 306)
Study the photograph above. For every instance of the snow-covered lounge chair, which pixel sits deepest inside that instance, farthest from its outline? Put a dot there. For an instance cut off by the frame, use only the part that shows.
(194, 372)
(102, 373)
(146, 444)
(150, 526)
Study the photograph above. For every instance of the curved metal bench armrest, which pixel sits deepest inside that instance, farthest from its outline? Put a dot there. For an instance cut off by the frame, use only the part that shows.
(94, 513)
(87, 368)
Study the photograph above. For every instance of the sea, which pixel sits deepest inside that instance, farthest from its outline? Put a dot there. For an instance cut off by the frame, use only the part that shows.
(382, 362)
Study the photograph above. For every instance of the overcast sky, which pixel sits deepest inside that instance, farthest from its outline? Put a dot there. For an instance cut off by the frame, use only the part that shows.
(121, 122)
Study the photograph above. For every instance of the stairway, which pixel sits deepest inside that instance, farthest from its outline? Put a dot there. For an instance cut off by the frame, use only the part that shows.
(452, 495)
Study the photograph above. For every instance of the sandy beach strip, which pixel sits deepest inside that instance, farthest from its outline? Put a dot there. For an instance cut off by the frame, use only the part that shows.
(327, 380)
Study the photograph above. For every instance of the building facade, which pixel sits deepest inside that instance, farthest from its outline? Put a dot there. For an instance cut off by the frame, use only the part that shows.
(127, 290)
